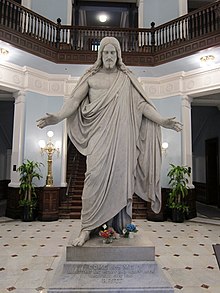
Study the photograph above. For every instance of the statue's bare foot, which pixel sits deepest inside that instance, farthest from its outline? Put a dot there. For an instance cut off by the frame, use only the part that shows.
(81, 239)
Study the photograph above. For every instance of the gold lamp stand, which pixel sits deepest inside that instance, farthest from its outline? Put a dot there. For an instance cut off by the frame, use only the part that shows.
(49, 149)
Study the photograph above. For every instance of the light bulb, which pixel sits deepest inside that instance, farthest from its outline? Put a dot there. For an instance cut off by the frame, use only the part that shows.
(103, 18)
(50, 133)
(165, 145)
(42, 143)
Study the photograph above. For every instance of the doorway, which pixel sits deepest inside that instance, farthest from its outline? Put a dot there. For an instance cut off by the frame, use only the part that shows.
(212, 171)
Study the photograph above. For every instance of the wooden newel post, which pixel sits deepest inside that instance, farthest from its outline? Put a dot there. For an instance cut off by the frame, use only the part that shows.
(58, 33)
(153, 36)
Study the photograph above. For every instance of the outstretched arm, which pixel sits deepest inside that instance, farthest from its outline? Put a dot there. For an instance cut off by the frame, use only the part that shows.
(68, 108)
(150, 113)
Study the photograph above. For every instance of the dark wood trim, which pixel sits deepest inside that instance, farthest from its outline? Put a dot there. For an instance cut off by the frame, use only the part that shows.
(164, 214)
(3, 188)
(182, 50)
(48, 203)
(13, 210)
(200, 190)
(28, 44)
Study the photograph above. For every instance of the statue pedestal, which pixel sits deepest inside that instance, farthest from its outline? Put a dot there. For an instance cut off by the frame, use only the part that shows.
(125, 265)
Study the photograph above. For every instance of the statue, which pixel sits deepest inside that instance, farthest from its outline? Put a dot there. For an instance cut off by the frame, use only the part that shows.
(112, 122)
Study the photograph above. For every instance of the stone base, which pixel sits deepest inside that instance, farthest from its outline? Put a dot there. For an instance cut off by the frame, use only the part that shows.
(125, 265)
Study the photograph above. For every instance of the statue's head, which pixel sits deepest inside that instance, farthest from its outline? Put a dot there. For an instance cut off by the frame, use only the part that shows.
(109, 44)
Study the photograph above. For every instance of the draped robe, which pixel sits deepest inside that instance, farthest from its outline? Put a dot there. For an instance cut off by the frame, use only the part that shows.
(123, 150)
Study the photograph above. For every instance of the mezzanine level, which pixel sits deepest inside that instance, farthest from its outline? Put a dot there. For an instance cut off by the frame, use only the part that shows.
(59, 43)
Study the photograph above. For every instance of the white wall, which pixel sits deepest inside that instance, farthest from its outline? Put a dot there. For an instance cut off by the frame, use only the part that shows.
(170, 107)
(159, 11)
(36, 107)
(53, 9)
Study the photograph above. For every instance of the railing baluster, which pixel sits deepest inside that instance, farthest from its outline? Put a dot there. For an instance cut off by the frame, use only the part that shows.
(12, 15)
(38, 29)
(28, 23)
(8, 14)
(15, 17)
(1, 11)
(213, 24)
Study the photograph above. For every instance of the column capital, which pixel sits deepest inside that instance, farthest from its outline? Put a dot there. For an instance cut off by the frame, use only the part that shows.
(186, 101)
(19, 97)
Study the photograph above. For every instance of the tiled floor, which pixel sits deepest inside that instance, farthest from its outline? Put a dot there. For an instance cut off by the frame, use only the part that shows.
(30, 253)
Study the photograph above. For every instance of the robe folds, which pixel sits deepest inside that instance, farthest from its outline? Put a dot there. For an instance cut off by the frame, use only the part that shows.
(123, 150)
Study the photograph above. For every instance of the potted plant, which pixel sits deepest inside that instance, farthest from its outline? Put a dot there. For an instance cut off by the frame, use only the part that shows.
(177, 197)
(28, 171)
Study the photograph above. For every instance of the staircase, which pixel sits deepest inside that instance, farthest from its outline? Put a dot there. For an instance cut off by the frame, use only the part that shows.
(71, 204)
(139, 208)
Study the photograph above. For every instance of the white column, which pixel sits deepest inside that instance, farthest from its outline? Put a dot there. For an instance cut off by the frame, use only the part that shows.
(69, 12)
(183, 7)
(18, 138)
(187, 135)
(26, 3)
(140, 13)
(64, 156)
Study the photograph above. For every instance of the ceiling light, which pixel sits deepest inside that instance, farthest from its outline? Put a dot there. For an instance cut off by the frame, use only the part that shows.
(207, 60)
(103, 17)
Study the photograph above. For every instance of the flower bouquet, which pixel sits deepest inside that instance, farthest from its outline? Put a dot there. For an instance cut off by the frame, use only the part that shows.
(129, 230)
(107, 233)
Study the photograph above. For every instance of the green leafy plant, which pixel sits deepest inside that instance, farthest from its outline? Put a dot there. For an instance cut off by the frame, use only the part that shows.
(178, 182)
(28, 171)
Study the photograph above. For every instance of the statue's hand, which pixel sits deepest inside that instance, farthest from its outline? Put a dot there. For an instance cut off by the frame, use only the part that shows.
(171, 123)
(50, 119)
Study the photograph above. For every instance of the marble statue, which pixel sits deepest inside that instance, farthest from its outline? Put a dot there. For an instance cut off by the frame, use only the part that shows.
(113, 123)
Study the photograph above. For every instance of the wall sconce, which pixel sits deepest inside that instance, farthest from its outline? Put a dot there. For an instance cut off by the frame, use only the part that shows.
(49, 149)
(165, 146)
(207, 60)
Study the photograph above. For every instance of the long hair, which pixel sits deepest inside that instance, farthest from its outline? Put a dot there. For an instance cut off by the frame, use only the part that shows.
(98, 64)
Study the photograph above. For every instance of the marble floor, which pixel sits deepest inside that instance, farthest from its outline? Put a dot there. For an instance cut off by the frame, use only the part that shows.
(30, 253)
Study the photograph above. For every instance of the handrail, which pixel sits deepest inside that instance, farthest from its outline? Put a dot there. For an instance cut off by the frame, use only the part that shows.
(88, 38)
(71, 175)
(23, 20)
(57, 40)
(187, 27)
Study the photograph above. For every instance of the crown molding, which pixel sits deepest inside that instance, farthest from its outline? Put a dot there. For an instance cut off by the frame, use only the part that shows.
(193, 83)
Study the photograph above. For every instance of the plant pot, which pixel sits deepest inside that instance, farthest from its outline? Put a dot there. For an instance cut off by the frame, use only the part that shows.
(28, 214)
(177, 216)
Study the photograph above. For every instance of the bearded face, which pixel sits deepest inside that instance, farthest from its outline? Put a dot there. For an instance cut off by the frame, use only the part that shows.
(109, 56)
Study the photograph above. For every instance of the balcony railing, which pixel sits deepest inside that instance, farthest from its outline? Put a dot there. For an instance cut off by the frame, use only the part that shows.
(59, 43)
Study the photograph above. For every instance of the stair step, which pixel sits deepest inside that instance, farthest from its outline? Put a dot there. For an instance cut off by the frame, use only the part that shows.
(74, 215)
(70, 207)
